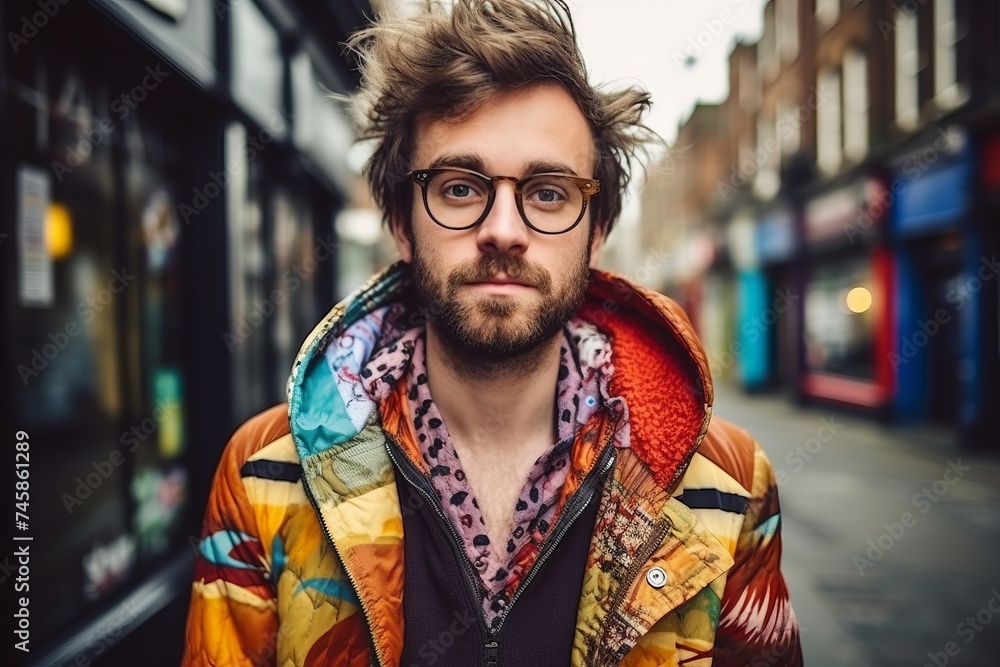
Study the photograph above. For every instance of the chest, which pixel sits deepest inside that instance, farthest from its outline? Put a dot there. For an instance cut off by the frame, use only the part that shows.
(438, 600)
(497, 479)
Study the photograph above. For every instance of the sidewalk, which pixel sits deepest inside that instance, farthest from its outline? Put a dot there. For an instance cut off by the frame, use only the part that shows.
(891, 536)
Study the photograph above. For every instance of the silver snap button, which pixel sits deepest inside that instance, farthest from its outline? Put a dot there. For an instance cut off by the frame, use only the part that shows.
(656, 577)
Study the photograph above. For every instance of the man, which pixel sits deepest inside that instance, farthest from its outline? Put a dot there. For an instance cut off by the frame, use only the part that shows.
(494, 454)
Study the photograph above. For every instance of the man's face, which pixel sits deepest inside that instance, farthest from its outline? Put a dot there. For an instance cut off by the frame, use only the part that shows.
(501, 289)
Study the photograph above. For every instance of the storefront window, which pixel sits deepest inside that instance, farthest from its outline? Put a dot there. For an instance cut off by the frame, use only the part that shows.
(296, 267)
(839, 314)
(94, 330)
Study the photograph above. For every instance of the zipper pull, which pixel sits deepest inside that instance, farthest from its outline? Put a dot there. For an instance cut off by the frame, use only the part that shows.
(492, 657)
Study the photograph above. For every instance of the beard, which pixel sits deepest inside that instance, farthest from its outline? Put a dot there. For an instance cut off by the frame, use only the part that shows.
(497, 332)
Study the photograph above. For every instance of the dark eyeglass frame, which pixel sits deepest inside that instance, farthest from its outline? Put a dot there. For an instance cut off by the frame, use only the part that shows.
(588, 188)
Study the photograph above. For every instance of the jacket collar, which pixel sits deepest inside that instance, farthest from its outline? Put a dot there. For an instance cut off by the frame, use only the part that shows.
(658, 361)
(660, 370)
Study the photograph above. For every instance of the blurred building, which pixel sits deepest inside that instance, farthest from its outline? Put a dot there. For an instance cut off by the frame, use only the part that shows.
(171, 175)
(853, 224)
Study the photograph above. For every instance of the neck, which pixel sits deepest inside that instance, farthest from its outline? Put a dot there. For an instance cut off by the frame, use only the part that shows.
(486, 404)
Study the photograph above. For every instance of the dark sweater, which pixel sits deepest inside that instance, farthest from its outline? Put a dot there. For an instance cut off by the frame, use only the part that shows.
(442, 610)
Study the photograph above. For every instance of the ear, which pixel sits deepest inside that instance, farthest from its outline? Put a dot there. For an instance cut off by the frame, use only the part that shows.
(400, 234)
(597, 244)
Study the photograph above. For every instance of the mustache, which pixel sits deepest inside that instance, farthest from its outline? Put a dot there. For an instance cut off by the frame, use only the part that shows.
(514, 267)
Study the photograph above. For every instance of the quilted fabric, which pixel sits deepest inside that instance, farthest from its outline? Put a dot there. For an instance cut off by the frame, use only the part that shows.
(308, 570)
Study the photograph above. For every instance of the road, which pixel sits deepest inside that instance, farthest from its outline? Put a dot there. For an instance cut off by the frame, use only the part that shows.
(891, 536)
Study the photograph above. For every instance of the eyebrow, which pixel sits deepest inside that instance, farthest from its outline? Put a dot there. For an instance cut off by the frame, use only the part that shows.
(543, 167)
(475, 163)
(465, 161)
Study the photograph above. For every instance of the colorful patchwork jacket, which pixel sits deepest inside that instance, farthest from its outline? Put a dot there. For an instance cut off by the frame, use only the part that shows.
(301, 557)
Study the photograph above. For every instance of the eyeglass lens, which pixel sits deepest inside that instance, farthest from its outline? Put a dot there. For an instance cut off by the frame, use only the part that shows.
(457, 199)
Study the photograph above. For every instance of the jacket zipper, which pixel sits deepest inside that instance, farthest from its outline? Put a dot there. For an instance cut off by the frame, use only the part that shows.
(492, 645)
(354, 584)
(568, 519)
(492, 654)
(491, 648)
(432, 502)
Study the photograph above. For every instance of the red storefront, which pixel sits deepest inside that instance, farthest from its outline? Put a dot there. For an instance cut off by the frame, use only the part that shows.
(847, 297)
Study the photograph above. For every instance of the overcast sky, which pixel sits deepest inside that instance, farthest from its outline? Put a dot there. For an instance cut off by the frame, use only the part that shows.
(649, 42)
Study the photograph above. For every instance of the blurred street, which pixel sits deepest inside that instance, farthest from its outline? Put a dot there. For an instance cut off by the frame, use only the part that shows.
(845, 481)
(182, 199)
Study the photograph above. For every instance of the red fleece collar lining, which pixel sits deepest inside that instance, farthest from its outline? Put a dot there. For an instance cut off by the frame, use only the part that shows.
(655, 373)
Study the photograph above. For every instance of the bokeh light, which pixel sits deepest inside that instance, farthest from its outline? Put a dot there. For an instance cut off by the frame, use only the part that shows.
(859, 300)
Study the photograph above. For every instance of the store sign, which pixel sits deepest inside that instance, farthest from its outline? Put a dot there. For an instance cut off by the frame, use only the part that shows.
(186, 40)
(844, 215)
(826, 215)
(321, 128)
(776, 237)
(36, 282)
(258, 75)
(697, 254)
(742, 238)
(938, 200)
(107, 566)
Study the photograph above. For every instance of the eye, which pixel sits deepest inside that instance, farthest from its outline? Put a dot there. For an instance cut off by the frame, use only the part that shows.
(548, 191)
(459, 190)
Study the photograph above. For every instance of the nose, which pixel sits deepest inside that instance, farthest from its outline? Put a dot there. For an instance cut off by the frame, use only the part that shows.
(503, 231)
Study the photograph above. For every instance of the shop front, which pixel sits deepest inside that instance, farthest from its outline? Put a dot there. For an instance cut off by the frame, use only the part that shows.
(768, 328)
(946, 285)
(983, 430)
(170, 242)
(697, 256)
(720, 330)
(98, 316)
(847, 296)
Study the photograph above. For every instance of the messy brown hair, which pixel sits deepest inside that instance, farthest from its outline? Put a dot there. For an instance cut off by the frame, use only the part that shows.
(446, 60)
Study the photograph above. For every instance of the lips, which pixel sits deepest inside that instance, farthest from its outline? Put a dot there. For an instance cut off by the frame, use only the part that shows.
(500, 273)
(501, 281)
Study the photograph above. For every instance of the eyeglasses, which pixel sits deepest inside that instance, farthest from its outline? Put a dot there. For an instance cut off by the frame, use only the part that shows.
(460, 199)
